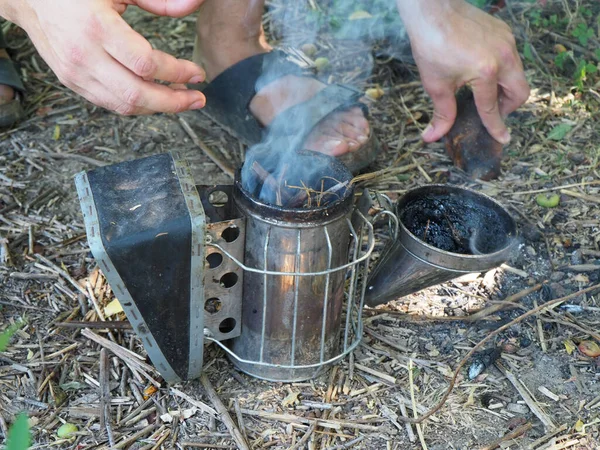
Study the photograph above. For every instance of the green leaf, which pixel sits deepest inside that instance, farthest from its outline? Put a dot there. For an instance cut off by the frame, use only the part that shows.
(591, 68)
(66, 430)
(559, 132)
(597, 52)
(7, 334)
(548, 201)
(560, 59)
(18, 435)
(527, 53)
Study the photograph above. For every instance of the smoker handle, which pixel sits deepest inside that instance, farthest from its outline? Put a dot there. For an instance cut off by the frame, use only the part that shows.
(392, 217)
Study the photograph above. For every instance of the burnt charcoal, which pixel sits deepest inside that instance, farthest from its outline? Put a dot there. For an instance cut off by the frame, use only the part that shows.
(546, 293)
(525, 341)
(558, 219)
(531, 232)
(455, 225)
(482, 360)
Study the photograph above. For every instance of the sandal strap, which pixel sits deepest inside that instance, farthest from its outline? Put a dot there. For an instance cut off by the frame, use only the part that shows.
(292, 126)
(228, 96)
(3, 44)
(9, 75)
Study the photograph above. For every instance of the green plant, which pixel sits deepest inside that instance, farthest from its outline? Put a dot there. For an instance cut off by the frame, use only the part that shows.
(583, 33)
(19, 437)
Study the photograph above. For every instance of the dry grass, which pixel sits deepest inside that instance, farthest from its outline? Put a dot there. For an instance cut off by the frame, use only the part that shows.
(47, 276)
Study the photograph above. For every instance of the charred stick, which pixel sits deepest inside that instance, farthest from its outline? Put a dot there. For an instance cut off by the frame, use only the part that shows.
(266, 178)
(115, 325)
(300, 198)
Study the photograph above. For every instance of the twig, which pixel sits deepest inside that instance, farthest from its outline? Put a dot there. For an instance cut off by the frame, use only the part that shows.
(115, 325)
(329, 423)
(62, 273)
(531, 403)
(509, 436)
(409, 430)
(414, 404)
(574, 326)
(540, 330)
(197, 403)
(104, 380)
(235, 432)
(134, 437)
(305, 438)
(218, 160)
(480, 344)
(134, 361)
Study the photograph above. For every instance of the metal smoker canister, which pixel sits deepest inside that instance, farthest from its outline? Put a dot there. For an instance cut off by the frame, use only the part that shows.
(291, 323)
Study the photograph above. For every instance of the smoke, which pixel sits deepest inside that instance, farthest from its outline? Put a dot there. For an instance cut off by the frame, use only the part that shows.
(344, 32)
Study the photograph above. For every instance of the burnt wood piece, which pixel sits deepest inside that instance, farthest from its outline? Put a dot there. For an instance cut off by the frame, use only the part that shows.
(469, 144)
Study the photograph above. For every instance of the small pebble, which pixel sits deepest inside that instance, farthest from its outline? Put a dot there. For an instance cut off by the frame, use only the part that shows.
(557, 276)
(577, 257)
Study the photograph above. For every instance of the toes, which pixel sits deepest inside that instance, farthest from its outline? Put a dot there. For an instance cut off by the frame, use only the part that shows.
(330, 145)
(6, 94)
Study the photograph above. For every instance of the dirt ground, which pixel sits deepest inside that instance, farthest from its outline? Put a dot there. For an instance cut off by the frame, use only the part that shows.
(544, 384)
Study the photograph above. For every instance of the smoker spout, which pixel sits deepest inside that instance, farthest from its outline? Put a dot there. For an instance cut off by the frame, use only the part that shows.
(445, 232)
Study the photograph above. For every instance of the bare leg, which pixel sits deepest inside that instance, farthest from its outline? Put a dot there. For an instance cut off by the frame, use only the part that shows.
(229, 31)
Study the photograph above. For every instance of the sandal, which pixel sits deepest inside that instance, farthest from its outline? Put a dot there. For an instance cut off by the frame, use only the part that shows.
(228, 98)
(10, 112)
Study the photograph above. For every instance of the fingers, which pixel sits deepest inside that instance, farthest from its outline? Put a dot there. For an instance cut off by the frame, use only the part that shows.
(515, 92)
(134, 52)
(171, 8)
(137, 96)
(485, 92)
(444, 114)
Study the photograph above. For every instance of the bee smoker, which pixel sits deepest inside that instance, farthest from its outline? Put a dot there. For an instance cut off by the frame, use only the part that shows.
(281, 291)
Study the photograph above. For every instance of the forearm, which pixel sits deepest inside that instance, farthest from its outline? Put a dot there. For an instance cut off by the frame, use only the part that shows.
(12, 10)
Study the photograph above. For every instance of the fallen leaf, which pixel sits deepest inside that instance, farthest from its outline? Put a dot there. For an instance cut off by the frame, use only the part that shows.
(589, 348)
(559, 132)
(569, 346)
(321, 63)
(579, 426)
(150, 391)
(559, 48)
(113, 308)
(66, 430)
(291, 399)
(581, 278)
(309, 49)
(374, 93)
(56, 134)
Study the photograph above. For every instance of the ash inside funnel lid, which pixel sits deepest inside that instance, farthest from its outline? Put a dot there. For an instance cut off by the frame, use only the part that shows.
(300, 179)
(457, 224)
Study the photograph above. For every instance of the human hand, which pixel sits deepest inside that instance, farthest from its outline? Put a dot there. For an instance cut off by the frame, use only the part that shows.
(455, 43)
(94, 52)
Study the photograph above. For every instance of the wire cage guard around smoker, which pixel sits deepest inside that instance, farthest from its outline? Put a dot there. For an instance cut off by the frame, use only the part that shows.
(280, 291)
(298, 322)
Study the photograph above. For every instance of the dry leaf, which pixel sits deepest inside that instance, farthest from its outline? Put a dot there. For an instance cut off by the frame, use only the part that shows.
(569, 346)
(589, 348)
(150, 391)
(374, 93)
(290, 400)
(113, 308)
(579, 426)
